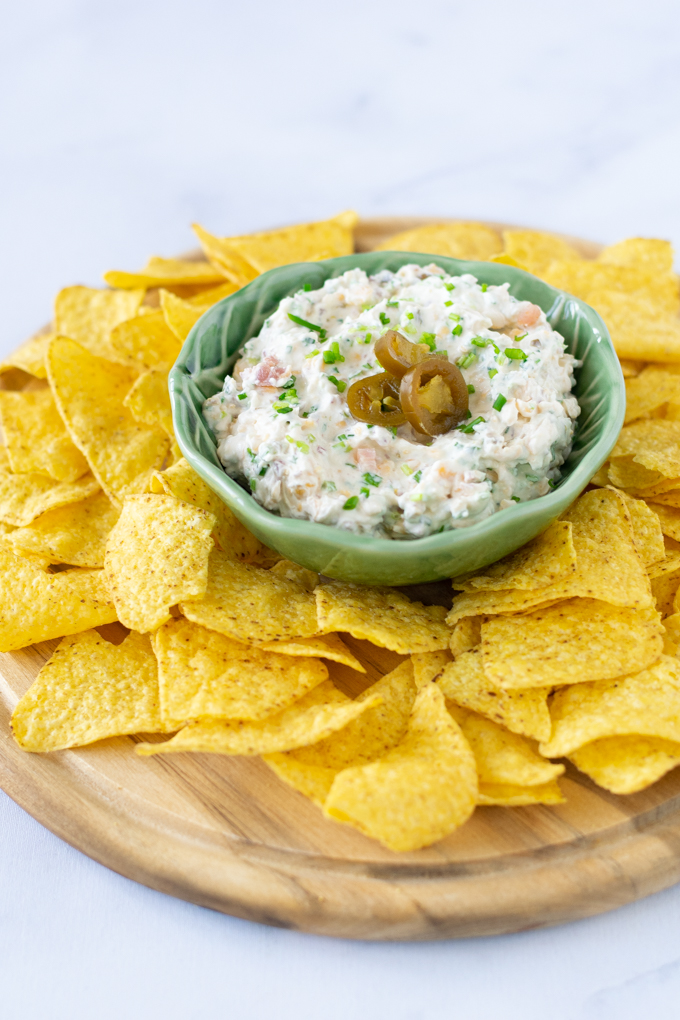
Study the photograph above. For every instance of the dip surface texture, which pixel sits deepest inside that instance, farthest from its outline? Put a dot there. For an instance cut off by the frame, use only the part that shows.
(282, 422)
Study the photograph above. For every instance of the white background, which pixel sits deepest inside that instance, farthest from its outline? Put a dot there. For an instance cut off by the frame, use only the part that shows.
(120, 124)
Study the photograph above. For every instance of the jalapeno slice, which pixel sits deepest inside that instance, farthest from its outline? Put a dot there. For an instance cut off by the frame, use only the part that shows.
(434, 397)
(398, 355)
(375, 400)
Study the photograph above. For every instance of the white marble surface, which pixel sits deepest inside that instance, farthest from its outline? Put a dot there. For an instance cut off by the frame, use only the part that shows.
(119, 125)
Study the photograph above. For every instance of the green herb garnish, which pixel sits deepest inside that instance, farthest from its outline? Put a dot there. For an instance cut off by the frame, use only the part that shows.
(499, 402)
(351, 503)
(310, 325)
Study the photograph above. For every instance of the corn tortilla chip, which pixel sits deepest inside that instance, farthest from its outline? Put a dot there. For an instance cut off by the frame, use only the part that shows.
(428, 665)
(503, 795)
(181, 315)
(203, 674)
(420, 791)
(145, 342)
(294, 572)
(149, 401)
(630, 368)
(671, 498)
(225, 258)
(627, 764)
(503, 757)
(326, 646)
(649, 391)
(625, 473)
(542, 561)
(90, 689)
(36, 437)
(648, 253)
(536, 249)
(520, 711)
(159, 271)
(304, 242)
(37, 606)
(29, 356)
(233, 538)
(87, 315)
(642, 704)
(590, 279)
(74, 534)
(382, 615)
(90, 392)
(252, 604)
(655, 444)
(608, 566)
(314, 781)
(315, 716)
(156, 555)
(639, 328)
(375, 732)
(25, 497)
(572, 642)
(669, 519)
(647, 533)
(664, 589)
(458, 240)
(466, 635)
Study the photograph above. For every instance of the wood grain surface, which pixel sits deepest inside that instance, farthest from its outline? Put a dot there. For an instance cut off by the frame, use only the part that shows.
(225, 833)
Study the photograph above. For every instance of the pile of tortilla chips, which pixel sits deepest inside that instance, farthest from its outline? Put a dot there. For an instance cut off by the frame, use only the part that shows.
(565, 649)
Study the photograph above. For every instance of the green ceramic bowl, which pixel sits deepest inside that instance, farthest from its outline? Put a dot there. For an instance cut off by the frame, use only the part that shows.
(212, 348)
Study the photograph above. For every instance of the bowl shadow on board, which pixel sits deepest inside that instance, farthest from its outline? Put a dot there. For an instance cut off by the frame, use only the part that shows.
(212, 348)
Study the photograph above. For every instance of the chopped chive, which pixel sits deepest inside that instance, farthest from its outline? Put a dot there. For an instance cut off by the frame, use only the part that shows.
(409, 315)
(484, 286)
(263, 471)
(289, 384)
(253, 484)
(516, 498)
(515, 354)
(372, 479)
(310, 325)
(457, 330)
(307, 286)
(429, 339)
(330, 357)
(251, 454)
(392, 304)
(328, 486)
(417, 497)
(493, 372)
(282, 408)
(450, 286)
(532, 478)
(469, 426)
(350, 503)
(312, 355)
(518, 338)
(392, 429)
(417, 476)
(447, 304)
(499, 402)
(242, 396)
(406, 469)
(470, 388)
(384, 318)
(466, 360)
(468, 413)
(364, 492)
(340, 384)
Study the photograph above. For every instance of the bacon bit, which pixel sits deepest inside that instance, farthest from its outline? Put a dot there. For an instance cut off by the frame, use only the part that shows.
(270, 372)
(528, 314)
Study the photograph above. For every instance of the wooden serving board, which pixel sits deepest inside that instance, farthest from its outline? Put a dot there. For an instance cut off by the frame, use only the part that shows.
(225, 833)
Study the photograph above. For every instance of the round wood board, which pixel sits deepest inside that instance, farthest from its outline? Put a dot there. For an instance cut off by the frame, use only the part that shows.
(225, 833)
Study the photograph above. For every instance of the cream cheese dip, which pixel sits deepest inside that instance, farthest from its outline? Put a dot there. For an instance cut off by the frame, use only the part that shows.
(283, 426)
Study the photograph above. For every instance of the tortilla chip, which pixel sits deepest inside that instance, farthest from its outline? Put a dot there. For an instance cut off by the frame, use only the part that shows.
(588, 280)
(74, 534)
(90, 394)
(90, 689)
(627, 764)
(156, 554)
(521, 711)
(649, 391)
(572, 642)
(647, 533)
(457, 240)
(428, 665)
(501, 795)
(29, 356)
(87, 315)
(27, 496)
(608, 567)
(224, 258)
(145, 342)
(466, 635)
(642, 704)
(536, 249)
(314, 717)
(646, 253)
(149, 401)
(314, 781)
(624, 473)
(252, 604)
(203, 674)
(37, 606)
(503, 757)
(294, 572)
(159, 271)
(664, 587)
(382, 615)
(671, 498)
(372, 734)
(36, 437)
(630, 368)
(542, 561)
(655, 444)
(639, 328)
(233, 538)
(182, 315)
(326, 646)
(304, 242)
(420, 791)
(669, 519)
